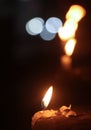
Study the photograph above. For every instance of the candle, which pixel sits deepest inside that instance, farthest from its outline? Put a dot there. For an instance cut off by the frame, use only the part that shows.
(64, 118)
(82, 121)
(45, 115)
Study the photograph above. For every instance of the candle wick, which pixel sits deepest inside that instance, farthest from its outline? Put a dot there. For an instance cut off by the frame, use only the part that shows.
(42, 105)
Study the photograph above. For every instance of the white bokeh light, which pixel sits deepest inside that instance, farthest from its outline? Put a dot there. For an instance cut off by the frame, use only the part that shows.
(53, 24)
(47, 36)
(35, 26)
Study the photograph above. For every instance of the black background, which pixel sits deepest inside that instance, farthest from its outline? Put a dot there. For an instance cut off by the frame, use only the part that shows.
(30, 65)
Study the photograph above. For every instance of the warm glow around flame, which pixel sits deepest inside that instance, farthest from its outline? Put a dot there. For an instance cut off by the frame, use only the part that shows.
(77, 12)
(69, 47)
(47, 97)
(68, 30)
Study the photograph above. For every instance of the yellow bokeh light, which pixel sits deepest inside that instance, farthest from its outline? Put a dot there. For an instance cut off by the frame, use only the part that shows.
(68, 30)
(76, 12)
(69, 47)
(71, 24)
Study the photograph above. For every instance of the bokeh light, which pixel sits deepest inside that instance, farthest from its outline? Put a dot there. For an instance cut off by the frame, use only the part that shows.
(77, 12)
(53, 24)
(35, 26)
(69, 47)
(47, 36)
(68, 30)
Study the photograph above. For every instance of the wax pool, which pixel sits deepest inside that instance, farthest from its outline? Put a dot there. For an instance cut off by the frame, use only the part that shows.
(41, 119)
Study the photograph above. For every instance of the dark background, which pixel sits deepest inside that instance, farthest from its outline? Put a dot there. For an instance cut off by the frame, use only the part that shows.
(30, 65)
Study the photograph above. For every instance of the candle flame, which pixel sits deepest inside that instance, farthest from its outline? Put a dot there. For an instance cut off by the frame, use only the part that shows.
(76, 12)
(69, 47)
(47, 97)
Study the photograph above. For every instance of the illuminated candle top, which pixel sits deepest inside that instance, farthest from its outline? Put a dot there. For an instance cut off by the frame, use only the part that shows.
(47, 97)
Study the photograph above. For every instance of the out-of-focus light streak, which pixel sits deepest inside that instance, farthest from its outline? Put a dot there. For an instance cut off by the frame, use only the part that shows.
(69, 47)
(76, 12)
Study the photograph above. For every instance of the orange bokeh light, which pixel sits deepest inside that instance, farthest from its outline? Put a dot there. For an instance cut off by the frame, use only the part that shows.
(68, 30)
(69, 47)
(76, 12)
